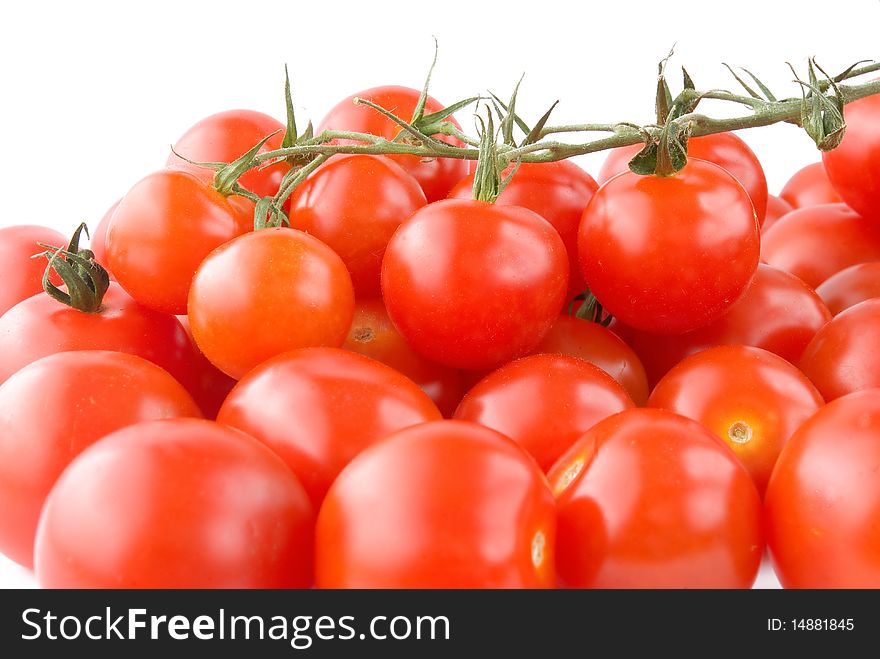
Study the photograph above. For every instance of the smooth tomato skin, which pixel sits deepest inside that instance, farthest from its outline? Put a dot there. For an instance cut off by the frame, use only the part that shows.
(21, 275)
(599, 346)
(669, 254)
(558, 192)
(354, 204)
(50, 412)
(373, 335)
(843, 356)
(651, 499)
(776, 208)
(854, 166)
(726, 150)
(435, 175)
(473, 285)
(778, 312)
(162, 230)
(177, 503)
(809, 186)
(816, 242)
(544, 403)
(850, 286)
(464, 505)
(98, 238)
(823, 499)
(265, 293)
(225, 137)
(318, 408)
(209, 385)
(752, 399)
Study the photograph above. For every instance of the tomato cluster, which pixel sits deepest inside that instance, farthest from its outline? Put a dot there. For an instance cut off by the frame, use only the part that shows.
(635, 384)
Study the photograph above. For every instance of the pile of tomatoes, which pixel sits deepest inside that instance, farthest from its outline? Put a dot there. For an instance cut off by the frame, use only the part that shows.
(400, 389)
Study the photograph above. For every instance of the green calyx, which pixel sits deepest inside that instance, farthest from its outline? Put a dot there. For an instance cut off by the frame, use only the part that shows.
(86, 280)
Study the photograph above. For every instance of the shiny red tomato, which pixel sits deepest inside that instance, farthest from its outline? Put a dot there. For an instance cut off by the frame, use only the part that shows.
(210, 385)
(447, 504)
(178, 503)
(752, 399)
(50, 411)
(267, 292)
(544, 402)
(21, 275)
(651, 499)
(823, 500)
(354, 204)
(669, 254)
(435, 175)
(776, 208)
(319, 407)
(809, 186)
(473, 285)
(98, 238)
(850, 286)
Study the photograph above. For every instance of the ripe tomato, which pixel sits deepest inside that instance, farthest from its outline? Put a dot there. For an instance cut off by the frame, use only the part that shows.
(544, 402)
(21, 275)
(210, 385)
(726, 150)
(447, 504)
(809, 186)
(354, 204)
(473, 285)
(823, 499)
(267, 292)
(776, 208)
(177, 503)
(850, 286)
(162, 229)
(651, 499)
(435, 175)
(318, 408)
(98, 238)
(752, 399)
(816, 242)
(669, 254)
(558, 192)
(854, 166)
(50, 412)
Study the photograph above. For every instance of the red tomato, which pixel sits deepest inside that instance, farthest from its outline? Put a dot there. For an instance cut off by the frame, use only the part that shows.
(225, 137)
(809, 186)
(210, 385)
(823, 500)
(319, 407)
(816, 242)
(544, 403)
(776, 208)
(373, 334)
(850, 286)
(600, 346)
(669, 254)
(558, 192)
(651, 499)
(473, 285)
(178, 503)
(51, 412)
(161, 231)
(752, 399)
(354, 204)
(724, 149)
(843, 356)
(21, 275)
(778, 312)
(435, 175)
(267, 292)
(854, 166)
(98, 238)
(447, 504)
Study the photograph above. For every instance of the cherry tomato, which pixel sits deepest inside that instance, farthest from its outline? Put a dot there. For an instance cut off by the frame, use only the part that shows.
(354, 204)
(267, 292)
(210, 385)
(809, 186)
(51, 411)
(776, 208)
(21, 275)
(752, 399)
(473, 285)
(161, 231)
(319, 407)
(669, 254)
(823, 499)
(448, 504)
(850, 286)
(435, 175)
(177, 503)
(544, 403)
(816, 242)
(651, 499)
(98, 238)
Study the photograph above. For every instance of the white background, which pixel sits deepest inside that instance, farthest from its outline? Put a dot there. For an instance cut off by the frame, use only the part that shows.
(95, 92)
